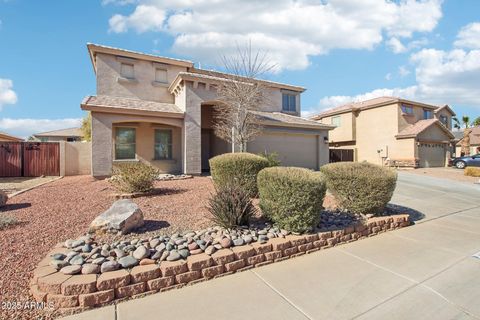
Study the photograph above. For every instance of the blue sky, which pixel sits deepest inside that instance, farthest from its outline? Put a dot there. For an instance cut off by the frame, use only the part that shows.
(340, 50)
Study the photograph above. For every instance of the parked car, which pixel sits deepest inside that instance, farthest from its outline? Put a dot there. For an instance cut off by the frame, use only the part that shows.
(466, 161)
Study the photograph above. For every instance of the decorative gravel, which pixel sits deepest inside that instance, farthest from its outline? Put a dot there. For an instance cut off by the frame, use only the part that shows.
(64, 208)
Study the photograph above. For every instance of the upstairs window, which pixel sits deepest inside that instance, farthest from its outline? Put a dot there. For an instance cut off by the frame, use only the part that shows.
(127, 71)
(163, 144)
(125, 143)
(336, 121)
(444, 120)
(289, 102)
(161, 75)
(427, 114)
(407, 109)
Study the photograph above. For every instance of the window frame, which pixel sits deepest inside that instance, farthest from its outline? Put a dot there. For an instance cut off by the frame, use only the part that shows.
(166, 75)
(130, 143)
(405, 109)
(442, 118)
(122, 64)
(169, 144)
(287, 99)
(427, 112)
(339, 121)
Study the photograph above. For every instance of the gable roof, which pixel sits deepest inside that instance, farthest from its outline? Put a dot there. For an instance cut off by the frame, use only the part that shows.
(93, 49)
(447, 107)
(111, 104)
(474, 136)
(420, 126)
(368, 104)
(286, 120)
(69, 132)
(9, 137)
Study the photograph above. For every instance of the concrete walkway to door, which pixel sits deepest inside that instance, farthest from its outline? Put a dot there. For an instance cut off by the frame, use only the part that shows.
(425, 271)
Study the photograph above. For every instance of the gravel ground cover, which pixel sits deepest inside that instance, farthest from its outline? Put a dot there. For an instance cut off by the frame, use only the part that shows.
(64, 209)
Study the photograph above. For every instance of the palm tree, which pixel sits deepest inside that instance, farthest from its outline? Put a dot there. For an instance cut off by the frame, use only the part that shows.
(467, 124)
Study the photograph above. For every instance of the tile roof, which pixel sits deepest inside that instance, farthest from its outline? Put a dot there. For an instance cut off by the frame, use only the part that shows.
(420, 126)
(129, 104)
(282, 119)
(474, 136)
(9, 136)
(360, 105)
(69, 132)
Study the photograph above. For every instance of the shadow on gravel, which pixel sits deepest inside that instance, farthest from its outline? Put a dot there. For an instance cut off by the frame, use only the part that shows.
(413, 214)
(15, 206)
(163, 192)
(152, 225)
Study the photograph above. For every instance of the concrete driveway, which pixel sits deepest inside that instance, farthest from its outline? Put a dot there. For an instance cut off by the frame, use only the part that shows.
(421, 272)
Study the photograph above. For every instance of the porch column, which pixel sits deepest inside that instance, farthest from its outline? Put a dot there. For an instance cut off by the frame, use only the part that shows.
(102, 145)
(192, 134)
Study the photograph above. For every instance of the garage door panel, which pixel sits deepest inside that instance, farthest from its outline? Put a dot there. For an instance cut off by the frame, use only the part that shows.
(293, 150)
(431, 155)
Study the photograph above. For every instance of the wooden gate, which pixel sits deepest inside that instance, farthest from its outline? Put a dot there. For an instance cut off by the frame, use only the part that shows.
(339, 155)
(29, 159)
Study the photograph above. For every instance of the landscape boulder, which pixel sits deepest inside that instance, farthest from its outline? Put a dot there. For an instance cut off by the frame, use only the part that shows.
(3, 198)
(123, 216)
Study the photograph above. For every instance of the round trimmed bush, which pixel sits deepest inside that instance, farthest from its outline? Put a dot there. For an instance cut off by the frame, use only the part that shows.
(361, 188)
(292, 197)
(239, 168)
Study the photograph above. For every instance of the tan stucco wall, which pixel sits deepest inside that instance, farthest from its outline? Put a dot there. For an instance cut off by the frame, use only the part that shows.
(108, 72)
(78, 158)
(346, 130)
(446, 113)
(102, 139)
(433, 133)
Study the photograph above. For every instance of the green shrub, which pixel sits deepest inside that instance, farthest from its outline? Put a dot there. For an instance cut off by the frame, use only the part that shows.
(361, 188)
(292, 197)
(237, 168)
(231, 206)
(7, 221)
(133, 177)
(472, 172)
(272, 158)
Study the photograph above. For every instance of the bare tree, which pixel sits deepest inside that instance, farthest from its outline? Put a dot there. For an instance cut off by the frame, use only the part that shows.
(241, 95)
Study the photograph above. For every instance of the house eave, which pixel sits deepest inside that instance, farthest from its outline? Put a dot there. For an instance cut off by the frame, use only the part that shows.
(116, 110)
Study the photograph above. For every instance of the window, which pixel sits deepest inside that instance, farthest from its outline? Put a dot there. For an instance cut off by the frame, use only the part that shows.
(427, 114)
(289, 102)
(444, 120)
(163, 144)
(407, 109)
(336, 121)
(127, 71)
(161, 75)
(125, 144)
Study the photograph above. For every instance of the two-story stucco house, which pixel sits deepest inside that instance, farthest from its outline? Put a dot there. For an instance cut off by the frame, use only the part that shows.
(392, 131)
(159, 110)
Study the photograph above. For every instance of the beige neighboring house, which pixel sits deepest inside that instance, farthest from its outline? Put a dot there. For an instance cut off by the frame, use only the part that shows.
(159, 110)
(392, 131)
(68, 135)
(5, 137)
(474, 142)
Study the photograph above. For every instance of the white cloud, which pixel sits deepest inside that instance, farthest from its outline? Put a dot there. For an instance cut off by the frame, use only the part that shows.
(7, 95)
(26, 127)
(469, 36)
(290, 30)
(396, 45)
(144, 18)
(388, 76)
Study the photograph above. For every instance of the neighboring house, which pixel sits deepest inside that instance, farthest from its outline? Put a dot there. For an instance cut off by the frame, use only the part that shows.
(159, 110)
(69, 135)
(392, 131)
(474, 141)
(5, 137)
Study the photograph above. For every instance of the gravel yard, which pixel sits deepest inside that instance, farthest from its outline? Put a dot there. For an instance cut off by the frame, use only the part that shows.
(64, 209)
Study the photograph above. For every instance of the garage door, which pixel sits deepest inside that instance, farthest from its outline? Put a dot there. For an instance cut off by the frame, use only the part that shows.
(431, 155)
(296, 150)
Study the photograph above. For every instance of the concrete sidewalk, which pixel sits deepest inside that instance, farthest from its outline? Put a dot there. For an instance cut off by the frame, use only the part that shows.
(421, 272)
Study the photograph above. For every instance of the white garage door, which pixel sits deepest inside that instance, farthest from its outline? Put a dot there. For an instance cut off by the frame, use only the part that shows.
(431, 155)
(297, 150)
